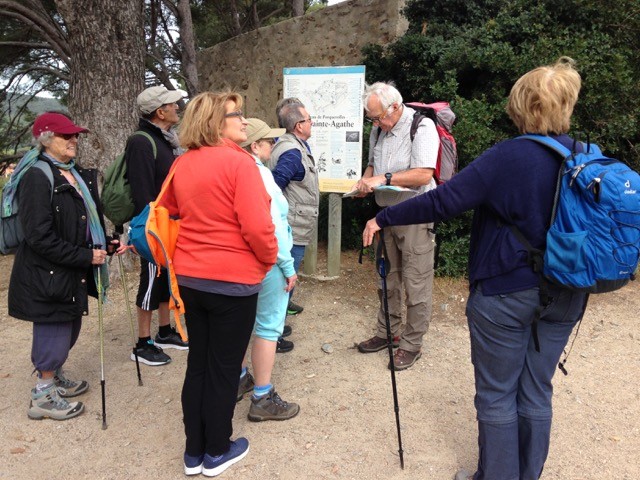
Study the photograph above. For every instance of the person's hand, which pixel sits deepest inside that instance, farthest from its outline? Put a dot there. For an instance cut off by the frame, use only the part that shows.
(291, 282)
(359, 194)
(122, 249)
(370, 230)
(99, 256)
(366, 184)
(112, 246)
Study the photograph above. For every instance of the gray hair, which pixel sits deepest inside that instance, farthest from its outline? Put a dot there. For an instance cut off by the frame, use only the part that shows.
(290, 115)
(387, 93)
(43, 140)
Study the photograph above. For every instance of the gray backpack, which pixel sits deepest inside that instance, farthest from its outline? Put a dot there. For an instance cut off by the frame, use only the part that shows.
(10, 228)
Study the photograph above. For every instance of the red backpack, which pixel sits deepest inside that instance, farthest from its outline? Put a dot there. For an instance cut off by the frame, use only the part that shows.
(444, 118)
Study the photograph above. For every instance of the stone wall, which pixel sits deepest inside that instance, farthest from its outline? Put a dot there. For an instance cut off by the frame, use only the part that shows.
(252, 63)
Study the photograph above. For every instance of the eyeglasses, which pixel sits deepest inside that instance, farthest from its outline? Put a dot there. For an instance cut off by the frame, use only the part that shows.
(310, 120)
(269, 141)
(67, 136)
(380, 117)
(238, 114)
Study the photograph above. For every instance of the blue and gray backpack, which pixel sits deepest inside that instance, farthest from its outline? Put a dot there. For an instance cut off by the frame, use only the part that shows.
(593, 242)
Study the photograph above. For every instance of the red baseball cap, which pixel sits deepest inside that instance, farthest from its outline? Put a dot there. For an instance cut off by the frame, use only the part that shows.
(56, 123)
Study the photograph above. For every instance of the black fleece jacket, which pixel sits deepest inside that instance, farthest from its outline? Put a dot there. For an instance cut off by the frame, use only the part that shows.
(145, 173)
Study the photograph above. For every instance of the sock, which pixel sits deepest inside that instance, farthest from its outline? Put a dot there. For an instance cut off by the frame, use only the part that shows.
(143, 341)
(43, 384)
(261, 391)
(164, 330)
(243, 372)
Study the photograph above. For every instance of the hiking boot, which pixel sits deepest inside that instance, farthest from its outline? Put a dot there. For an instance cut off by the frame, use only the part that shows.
(149, 354)
(404, 359)
(294, 308)
(245, 386)
(284, 346)
(463, 475)
(375, 344)
(213, 466)
(286, 331)
(68, 388)
(49, 404)
(271, 407)
(193, 465)
(173, 340)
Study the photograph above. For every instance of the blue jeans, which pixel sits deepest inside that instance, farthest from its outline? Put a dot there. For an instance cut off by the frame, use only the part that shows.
(297, 252)
(513, 380)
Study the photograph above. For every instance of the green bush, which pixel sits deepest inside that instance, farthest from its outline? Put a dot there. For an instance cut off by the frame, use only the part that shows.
(471, 53)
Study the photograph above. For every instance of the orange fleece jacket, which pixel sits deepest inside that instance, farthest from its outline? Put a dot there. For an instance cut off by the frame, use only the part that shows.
(226, 231)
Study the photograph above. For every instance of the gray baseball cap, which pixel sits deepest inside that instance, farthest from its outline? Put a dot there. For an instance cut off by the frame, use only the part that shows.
(154, 97)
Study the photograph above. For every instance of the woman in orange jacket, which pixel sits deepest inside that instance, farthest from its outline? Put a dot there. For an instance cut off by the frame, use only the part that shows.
(225, 247)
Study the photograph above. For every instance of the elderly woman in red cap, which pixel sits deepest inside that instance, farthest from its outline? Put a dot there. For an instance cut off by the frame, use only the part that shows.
(58, 263)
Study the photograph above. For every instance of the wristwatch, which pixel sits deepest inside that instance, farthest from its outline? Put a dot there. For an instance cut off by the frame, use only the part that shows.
(388, 177)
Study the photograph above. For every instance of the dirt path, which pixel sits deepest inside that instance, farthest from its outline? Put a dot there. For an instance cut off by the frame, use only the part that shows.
(346, 428)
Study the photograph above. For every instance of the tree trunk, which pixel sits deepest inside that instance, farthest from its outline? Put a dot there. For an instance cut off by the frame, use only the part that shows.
(297, 8)
(187, 40)
(107, 50)
(235, 18)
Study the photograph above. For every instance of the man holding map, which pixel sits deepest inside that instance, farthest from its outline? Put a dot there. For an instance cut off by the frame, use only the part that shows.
(396, 160)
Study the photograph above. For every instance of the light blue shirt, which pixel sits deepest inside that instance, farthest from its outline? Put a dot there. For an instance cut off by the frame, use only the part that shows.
(279, 211)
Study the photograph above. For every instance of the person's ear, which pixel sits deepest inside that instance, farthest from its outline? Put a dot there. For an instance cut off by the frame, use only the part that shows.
(254, 147)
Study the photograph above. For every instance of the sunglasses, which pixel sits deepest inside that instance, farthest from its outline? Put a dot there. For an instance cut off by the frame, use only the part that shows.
(67, 136)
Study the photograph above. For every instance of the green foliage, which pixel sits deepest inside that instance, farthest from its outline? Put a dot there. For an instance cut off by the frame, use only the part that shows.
(471, 53)
(452, 238)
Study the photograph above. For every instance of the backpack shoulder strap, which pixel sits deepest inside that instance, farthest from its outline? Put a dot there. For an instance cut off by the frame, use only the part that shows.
(150, 138)
(548, 142)
(41, 165)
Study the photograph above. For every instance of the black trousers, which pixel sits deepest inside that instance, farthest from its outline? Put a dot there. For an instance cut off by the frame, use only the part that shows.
(219, 331)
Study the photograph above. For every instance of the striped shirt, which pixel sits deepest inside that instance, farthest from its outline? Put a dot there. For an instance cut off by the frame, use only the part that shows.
(394, 151)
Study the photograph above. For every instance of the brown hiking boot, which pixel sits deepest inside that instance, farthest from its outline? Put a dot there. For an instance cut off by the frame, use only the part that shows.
(245, 386)
(375, 344)
(272, 407)
(403, 359)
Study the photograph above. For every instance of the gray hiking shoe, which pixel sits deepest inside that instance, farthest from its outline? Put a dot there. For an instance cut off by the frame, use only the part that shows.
(245, 386)
(49, 404)
(272, 407)
(68, 388)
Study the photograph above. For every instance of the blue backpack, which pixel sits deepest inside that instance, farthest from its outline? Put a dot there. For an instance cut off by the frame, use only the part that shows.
(593, 243)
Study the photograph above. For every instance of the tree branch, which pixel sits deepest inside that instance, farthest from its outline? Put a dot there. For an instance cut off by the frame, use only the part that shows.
(44, 26)
(31, 45)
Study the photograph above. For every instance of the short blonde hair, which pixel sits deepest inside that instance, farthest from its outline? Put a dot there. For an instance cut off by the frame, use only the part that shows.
(204, 117)
(542, 100)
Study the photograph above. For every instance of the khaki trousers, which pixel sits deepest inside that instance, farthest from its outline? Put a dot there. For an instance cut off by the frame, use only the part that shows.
(410, 252)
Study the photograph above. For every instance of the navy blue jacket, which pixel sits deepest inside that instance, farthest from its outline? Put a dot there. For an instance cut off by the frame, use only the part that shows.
(511, 183)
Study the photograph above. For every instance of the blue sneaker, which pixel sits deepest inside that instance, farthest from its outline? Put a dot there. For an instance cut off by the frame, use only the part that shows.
(213, 466)
(193, 465)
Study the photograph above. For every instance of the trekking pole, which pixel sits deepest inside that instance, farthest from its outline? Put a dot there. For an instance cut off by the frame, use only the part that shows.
(101, 329)
(383, 265)
(133, 334)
